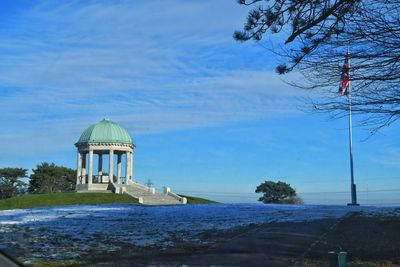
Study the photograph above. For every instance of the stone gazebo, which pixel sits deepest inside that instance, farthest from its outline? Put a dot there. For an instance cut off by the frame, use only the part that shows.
(100, 139)
(108, 140)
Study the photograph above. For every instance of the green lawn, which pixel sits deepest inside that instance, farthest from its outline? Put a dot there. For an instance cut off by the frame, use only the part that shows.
(60, 199)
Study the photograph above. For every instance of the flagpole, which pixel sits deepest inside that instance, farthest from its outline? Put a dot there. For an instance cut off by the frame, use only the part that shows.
(353, 185)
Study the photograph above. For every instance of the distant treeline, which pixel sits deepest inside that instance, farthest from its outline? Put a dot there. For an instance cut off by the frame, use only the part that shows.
(46, 178)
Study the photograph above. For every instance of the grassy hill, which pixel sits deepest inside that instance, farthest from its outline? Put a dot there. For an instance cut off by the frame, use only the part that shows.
(61, 199)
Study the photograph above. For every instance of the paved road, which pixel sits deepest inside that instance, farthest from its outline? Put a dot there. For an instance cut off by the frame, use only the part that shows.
(274, 244)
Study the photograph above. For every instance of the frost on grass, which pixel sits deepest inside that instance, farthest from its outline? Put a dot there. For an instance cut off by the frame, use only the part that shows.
(72, 232)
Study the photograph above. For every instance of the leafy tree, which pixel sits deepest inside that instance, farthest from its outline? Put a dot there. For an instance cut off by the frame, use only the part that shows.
(10, 183)
(316, 35)
(49, 178)
(278, 193)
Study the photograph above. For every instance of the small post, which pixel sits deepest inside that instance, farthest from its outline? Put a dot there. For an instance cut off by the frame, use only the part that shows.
(166, 190)
(337, 259)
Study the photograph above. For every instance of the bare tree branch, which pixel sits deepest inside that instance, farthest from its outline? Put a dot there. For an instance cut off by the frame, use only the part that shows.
(319, 33)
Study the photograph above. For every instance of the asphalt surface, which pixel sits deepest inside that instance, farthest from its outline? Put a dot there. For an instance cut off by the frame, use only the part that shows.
(272, 244)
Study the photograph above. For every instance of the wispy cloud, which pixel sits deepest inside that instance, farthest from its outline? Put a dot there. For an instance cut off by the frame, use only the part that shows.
(388, 156)
(153, 66)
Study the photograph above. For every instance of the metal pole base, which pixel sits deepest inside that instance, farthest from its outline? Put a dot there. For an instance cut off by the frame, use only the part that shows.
(353, 196)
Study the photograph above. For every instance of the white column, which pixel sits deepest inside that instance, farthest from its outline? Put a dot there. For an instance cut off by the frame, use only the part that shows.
(129, 159)
(100, 167)
(119, 168)
(111, 166)
(90, 175)
(127, 166)
(84, 168)
(131, 165)
(79, 168)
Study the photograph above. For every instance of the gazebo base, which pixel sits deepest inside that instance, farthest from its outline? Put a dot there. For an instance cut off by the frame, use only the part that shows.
(92, 187)
(95, 191)
(145, 195)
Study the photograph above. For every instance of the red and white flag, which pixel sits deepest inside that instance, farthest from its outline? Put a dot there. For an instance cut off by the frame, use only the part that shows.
(344, 79)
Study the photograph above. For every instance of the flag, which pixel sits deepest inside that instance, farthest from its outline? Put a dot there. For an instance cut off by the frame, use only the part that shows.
(344, 79)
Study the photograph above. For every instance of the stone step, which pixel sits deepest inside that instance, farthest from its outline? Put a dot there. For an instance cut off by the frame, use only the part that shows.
(159, 199)
(160, 203)
(151, 199)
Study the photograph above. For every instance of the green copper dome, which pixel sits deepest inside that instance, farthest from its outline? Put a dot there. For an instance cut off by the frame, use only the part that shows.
(105, 131)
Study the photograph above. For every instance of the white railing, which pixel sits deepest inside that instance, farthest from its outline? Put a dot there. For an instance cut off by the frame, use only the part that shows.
(139, 199)
(167, 191)
(141, 187)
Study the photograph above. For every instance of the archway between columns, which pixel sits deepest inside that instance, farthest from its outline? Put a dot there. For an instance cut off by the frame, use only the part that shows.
(120, 161)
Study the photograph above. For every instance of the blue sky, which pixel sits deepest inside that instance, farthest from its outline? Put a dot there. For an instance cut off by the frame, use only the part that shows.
(208, 115)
